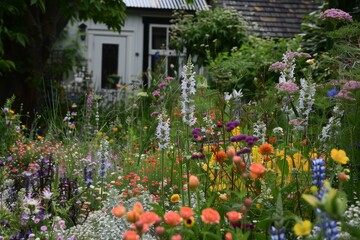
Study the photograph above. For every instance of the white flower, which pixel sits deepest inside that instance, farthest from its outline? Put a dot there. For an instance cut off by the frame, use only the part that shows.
(227, 96)
(46, 194)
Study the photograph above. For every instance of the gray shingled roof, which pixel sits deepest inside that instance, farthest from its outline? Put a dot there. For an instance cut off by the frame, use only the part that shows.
(167, 4)
(274, 18)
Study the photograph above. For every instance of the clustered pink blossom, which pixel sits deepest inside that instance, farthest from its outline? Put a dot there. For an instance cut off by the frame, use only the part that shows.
(352, 84)
(278, 66)
(345, 94)
(337, 14)
(291, 55)
(287, 87)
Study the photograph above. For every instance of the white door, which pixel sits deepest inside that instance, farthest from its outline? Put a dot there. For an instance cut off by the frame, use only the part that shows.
(109, 56)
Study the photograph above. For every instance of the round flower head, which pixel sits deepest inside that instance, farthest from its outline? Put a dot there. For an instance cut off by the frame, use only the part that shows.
(257, 170)
(186, 212)
(210, 216)
(149, 218)
(336, 14)
(266, 149)
(339, 156)
(189, 222)
(172, 218)
(175, 198)
(131, 235)
(118, 211)
(193, 182)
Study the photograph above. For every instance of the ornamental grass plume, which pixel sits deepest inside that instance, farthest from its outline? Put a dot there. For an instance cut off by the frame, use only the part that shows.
(210, 216)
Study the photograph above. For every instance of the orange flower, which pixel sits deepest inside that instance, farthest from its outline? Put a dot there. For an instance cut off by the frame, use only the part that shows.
(138, 208)
(132, 216)
(230, 151)
(118, 211)
(186, 212)
(228, 236)
(272, 140)
(193, 182)
(210, 216)
(257, 170)
(172, 218)
(176, 237)
(131, 235)
(233, 216)
(149, 218)
(266, 149)
(220, 156)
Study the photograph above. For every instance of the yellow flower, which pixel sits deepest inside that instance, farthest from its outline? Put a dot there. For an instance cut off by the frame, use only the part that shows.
(189, 222)
(11, 111)
(236, 131)
(175, 198)
(339, 156)
(99, 133)
(115, 129)
(302, 228)
(256, 155)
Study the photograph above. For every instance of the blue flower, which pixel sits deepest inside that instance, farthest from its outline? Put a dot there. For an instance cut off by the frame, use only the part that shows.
(332, 92)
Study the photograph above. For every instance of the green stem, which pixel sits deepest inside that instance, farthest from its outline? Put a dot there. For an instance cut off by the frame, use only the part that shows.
(162, 177)
(285, 152)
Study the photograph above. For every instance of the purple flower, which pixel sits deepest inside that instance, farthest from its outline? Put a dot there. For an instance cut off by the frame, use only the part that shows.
(43, 228)
(278, 66)
(161, 85)
(153, 114)
(336, 14)
(156, 93)
(9, 159)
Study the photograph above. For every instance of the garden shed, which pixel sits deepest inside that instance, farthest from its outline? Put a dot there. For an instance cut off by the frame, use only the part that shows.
(140, 47)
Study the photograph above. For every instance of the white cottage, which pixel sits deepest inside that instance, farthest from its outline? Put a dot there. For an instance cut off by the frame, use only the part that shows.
(141, 46)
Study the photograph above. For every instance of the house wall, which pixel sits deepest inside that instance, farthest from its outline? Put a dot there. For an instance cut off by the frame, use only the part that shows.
(132, 33)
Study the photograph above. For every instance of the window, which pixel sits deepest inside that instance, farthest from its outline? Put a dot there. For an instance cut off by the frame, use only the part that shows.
(161, 58)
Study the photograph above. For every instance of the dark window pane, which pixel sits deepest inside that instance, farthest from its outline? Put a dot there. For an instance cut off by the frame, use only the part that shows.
(158, 38)
(109, 64)
(173, 66)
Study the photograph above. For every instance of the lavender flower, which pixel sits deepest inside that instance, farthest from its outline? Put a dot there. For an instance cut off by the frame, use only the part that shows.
(306, 99)
(103, 157)
(332, 92)
(188, 89)
(163, 131)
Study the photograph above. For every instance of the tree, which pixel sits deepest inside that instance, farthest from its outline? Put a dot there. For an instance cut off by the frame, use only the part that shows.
(28, 31)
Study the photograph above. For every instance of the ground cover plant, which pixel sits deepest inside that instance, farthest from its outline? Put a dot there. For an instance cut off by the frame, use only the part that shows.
(183, 161)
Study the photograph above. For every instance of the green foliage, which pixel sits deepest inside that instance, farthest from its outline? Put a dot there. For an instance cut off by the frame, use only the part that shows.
(247, 67)
(208, 33)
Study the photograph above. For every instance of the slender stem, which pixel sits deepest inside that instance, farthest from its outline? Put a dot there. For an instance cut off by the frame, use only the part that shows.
(162, 177)
(285, 152)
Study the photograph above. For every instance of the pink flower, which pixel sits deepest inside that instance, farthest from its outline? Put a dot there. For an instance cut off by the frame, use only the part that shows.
(287, 87)
(257, 170)
(172, 218)
(337, 14)
(278, 66)
(186, 212)
(149, 218)
(233, 216)
(131, 235)
(210, 216)
(193, 182)
(156, 93)
(176, 237)
(345, 94)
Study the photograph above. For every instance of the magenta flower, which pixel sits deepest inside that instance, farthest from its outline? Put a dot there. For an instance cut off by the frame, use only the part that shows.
(156, 93)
